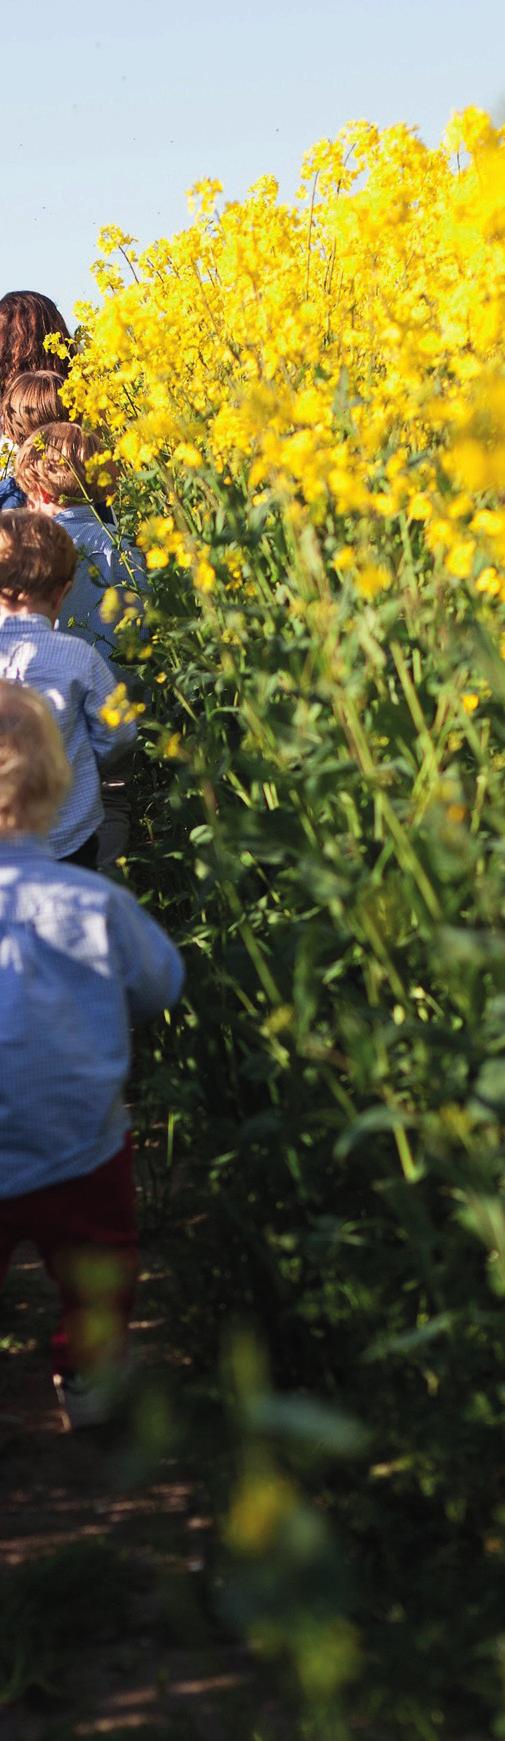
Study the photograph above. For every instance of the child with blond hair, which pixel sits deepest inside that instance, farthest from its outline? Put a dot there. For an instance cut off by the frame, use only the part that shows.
(37, 567)
(79, 961)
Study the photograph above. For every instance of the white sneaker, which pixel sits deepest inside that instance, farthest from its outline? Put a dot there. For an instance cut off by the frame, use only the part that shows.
(91, 1402)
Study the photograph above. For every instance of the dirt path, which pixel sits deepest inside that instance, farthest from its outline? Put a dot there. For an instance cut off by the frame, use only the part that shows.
(103, 1551)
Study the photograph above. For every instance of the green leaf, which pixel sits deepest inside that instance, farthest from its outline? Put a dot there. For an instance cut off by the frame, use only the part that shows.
(375, 1119)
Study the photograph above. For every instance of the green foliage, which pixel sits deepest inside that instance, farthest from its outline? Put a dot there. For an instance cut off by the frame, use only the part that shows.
(325, 830)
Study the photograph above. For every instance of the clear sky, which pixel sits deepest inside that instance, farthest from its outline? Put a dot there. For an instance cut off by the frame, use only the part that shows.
(111, 110)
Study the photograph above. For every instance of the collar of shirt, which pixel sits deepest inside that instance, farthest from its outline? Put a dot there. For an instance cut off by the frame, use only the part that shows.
(33, 619)
(80, 511)
(25, 846)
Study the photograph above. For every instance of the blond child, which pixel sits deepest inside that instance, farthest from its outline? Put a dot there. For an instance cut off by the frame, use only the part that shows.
(79, 961)
(37, 567)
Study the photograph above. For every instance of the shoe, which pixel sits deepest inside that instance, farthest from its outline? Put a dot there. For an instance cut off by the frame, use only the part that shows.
(91, 1402)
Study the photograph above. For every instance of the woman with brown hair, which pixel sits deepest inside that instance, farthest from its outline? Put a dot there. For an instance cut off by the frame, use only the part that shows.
(26, 318)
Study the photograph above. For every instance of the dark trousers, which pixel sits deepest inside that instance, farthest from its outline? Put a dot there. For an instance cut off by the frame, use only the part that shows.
(86, 854)
(114, 831)
(85, 1231)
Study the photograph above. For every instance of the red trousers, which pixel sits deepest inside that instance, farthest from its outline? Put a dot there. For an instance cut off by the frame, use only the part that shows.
(85, 1231)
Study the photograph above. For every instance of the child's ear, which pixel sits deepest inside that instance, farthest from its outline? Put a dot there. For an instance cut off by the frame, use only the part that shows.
(57, 600)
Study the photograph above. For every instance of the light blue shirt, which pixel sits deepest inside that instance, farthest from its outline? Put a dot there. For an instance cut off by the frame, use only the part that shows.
(103, 562)
(76, 682)
(79, 961)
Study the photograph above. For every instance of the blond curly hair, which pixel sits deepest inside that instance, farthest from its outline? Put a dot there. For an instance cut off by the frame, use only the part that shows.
(35, 775)
(54, 462)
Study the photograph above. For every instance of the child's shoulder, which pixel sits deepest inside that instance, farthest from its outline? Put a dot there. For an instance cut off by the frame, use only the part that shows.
(10, 494)
(95, 538)
(87, 891)
(69, 908)
(72, 650)
(90, 883)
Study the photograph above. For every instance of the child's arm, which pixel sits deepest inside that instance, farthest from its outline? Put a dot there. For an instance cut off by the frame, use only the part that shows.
(109, 742)
(152, 967)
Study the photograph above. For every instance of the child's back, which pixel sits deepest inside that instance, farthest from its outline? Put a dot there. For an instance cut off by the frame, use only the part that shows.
(10, 494)
(53, 467)
(80, 961)
(76, 682)
(37, 565)
(100, 566)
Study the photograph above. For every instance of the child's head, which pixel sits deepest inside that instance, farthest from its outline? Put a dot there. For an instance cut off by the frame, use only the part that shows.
(34, 772)
(37, 560)
(26, 318)
(51, 466)
(31, 400)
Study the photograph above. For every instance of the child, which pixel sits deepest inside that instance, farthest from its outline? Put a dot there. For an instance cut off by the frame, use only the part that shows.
(30, 401)
(37, 565)
(51, 467)
(79, 960)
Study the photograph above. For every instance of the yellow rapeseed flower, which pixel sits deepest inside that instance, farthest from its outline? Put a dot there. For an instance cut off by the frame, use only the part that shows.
(315, 370)
(110, 605)
(205, 575)
(119, 709)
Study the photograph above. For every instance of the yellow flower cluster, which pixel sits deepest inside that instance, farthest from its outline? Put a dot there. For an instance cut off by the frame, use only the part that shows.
(336, 362)
(119, 709)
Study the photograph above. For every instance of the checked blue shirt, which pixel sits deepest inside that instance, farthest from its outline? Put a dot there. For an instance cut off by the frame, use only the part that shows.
(76, 682)
(79, 961)
(103, 562)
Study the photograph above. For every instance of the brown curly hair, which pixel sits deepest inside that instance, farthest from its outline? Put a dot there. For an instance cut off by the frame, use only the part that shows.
(31, 400)
(26, 318)
(37, 557)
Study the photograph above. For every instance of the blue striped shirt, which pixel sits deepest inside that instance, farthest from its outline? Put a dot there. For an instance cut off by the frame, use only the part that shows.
(104, 561)
(76, 682)
(79, 961)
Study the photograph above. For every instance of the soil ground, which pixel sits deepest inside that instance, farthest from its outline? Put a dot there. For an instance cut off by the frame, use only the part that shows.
(107, 1614)
(104, 1553)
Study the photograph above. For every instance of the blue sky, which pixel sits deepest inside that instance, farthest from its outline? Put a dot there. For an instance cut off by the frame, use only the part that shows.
(109, 113)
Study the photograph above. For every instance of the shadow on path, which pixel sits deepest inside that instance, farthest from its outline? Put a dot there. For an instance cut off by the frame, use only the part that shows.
(103, 1628)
